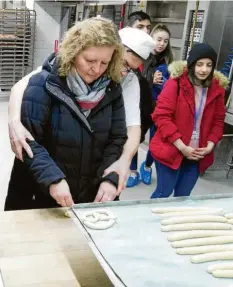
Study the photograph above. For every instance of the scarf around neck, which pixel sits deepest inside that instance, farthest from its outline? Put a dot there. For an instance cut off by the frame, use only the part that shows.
(87, 96)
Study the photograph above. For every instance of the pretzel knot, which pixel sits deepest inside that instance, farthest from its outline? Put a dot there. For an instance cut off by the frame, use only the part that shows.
(99, 219)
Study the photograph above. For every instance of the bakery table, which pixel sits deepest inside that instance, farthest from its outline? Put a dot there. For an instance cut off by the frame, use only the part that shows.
(43, 248)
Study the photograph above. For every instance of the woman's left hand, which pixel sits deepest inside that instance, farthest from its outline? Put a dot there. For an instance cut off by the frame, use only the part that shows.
(106, 192)
(205, 150)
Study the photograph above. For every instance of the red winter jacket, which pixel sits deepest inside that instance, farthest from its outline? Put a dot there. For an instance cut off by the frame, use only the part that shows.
(174, 117)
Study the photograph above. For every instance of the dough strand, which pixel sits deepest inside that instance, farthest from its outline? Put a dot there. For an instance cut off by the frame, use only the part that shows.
(227, 255)
(222, 266)
(203, 249)
(202, 241)
(196, 226)
(197, 234)
(180, 209)
(217, 211)
(223, 273)
(194, 219)
(229, 215)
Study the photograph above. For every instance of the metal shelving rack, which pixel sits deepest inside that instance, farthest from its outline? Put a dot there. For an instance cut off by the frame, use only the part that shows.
(17, 38)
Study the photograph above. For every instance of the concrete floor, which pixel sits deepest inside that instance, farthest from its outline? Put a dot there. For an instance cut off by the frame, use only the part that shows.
(213, 182)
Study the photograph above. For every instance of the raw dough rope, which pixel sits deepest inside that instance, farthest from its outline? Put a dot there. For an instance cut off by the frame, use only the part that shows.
(223, 273)
(196, 226)
(217, 211)
(229, 215)
(194, 219)
(203, 249)
(197, 234)
(202, 241)
(223, 266)
(180, 209)
(99, 219)
(227, 255)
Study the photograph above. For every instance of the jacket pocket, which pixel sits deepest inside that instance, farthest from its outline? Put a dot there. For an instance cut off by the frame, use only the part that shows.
(165, 152)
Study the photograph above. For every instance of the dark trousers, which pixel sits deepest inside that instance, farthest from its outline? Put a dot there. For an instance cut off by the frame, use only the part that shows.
(181, 180)
(149, 158)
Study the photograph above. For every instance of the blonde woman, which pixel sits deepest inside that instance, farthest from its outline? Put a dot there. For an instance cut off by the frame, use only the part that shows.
(137, 48)
(75, 114)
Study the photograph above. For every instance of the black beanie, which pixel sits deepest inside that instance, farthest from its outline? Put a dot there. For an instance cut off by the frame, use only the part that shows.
(201, 51)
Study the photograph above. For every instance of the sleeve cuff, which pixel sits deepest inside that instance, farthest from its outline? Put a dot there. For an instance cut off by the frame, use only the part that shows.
(112, 177)
(214, 139)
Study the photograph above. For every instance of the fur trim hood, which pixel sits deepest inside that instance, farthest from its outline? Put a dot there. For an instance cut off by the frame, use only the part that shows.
(177, 68)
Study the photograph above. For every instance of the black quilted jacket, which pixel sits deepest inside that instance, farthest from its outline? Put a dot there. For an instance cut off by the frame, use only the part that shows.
(67, 144)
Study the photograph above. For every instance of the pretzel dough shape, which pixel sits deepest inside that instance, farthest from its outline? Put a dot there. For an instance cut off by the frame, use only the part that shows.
(99, 219)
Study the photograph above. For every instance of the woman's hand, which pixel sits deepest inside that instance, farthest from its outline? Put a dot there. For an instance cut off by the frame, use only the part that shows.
(190, 153)
(18, 135)
(187, 151)
(158, 78)
(205, 150)
(106, 192)
(61, 193)
(121, 167)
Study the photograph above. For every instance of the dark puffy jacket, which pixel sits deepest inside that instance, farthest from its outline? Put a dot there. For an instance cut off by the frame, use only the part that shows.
(67, 144)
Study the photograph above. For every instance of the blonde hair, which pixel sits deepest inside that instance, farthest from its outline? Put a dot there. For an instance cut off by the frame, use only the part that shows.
(168, 55)
(92, 32)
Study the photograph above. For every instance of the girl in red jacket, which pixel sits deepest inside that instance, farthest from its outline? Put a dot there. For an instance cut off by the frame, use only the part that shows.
(189, 117)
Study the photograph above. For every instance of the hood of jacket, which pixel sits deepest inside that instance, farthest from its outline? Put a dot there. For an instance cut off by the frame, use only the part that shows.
(179, 68)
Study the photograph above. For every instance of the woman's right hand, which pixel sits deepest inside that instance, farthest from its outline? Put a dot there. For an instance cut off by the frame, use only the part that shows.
(61, 193)
(190, 154)
(18, 135)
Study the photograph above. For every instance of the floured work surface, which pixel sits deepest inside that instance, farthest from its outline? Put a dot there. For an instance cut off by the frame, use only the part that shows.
(43, 248)
(139, 252)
